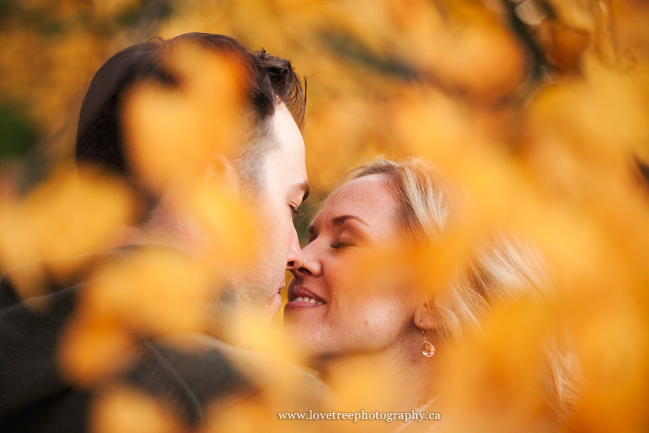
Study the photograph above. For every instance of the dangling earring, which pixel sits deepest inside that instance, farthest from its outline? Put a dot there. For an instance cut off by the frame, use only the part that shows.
(427, 348)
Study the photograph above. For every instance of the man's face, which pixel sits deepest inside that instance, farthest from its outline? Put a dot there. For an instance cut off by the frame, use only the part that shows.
(283, 185)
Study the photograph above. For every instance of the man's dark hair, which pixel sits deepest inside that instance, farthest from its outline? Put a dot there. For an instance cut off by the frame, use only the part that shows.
(100, 136)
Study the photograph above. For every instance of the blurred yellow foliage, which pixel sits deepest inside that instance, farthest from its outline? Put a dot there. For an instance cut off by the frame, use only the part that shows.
(93, 347)
(64, 216)
(114, 7)
(150, 291)
(538, 109)
(495, 376)
(126, 410)
(174, 134)
(156, 291)
(232, 231)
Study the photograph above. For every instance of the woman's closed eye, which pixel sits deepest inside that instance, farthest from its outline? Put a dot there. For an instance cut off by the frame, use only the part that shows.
(342, 242)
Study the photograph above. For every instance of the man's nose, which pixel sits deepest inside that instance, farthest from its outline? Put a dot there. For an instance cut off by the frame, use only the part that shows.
(294, 260)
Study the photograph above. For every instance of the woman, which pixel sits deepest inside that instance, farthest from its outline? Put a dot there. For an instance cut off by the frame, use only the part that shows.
(340, 309)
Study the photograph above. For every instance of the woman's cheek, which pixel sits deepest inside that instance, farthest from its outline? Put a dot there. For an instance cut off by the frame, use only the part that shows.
(375, 325)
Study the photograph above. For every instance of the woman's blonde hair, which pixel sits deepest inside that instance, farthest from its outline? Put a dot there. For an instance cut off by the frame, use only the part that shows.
(502, 268)
(430, 206)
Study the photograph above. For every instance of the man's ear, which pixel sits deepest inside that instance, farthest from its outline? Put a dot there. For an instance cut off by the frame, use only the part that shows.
(221, 170)
(426, 316)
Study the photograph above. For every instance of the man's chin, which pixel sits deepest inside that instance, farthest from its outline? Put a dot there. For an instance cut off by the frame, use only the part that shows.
(275, 305)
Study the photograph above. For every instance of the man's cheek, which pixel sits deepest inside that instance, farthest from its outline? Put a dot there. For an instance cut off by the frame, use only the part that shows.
(275, 217)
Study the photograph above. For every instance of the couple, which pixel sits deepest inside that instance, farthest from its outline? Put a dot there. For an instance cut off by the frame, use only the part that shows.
(334, 311)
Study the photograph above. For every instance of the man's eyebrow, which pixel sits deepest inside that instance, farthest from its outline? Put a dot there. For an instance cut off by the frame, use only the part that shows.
(304, 186)
(339, 220)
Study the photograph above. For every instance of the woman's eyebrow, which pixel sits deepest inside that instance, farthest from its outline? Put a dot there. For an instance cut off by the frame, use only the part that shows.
(339, 220)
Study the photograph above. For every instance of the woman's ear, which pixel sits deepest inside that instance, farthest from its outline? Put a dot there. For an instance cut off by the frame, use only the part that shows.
(426, 316)
(221, 170)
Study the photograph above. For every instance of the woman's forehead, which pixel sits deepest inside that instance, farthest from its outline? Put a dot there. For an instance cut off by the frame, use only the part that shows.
(369, 197)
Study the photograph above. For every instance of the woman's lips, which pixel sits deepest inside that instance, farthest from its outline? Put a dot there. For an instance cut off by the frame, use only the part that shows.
(301, 297)
(297, 305)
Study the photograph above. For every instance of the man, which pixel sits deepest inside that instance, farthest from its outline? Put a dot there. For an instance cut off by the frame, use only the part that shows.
(269, 168)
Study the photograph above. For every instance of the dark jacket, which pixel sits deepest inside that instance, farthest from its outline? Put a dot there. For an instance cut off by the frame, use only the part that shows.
(35, 397)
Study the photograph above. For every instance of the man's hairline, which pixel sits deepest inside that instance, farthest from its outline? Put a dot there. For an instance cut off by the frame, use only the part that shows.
(264, 130)
(255, 152)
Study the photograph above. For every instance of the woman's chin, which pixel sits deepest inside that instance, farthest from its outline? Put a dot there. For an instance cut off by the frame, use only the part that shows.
(306, 335)
(301, 318)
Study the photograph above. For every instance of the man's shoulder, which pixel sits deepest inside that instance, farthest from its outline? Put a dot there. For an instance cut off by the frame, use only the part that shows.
(207, 362)
(31, 283)
(230, 381)
(196, 374)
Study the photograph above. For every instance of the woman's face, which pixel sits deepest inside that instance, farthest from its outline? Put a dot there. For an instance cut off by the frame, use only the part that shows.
(337, 304)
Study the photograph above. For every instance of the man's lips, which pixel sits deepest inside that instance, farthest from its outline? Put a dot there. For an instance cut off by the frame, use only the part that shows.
(301, 297)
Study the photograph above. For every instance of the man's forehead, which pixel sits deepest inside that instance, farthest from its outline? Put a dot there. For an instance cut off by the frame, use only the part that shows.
(285, 161)
(290, 144)
(286, 132)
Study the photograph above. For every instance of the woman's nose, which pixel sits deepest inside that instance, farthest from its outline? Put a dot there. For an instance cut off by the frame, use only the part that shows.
(309, 263)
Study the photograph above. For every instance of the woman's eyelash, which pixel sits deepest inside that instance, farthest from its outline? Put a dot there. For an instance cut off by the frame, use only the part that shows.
(341, 243)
